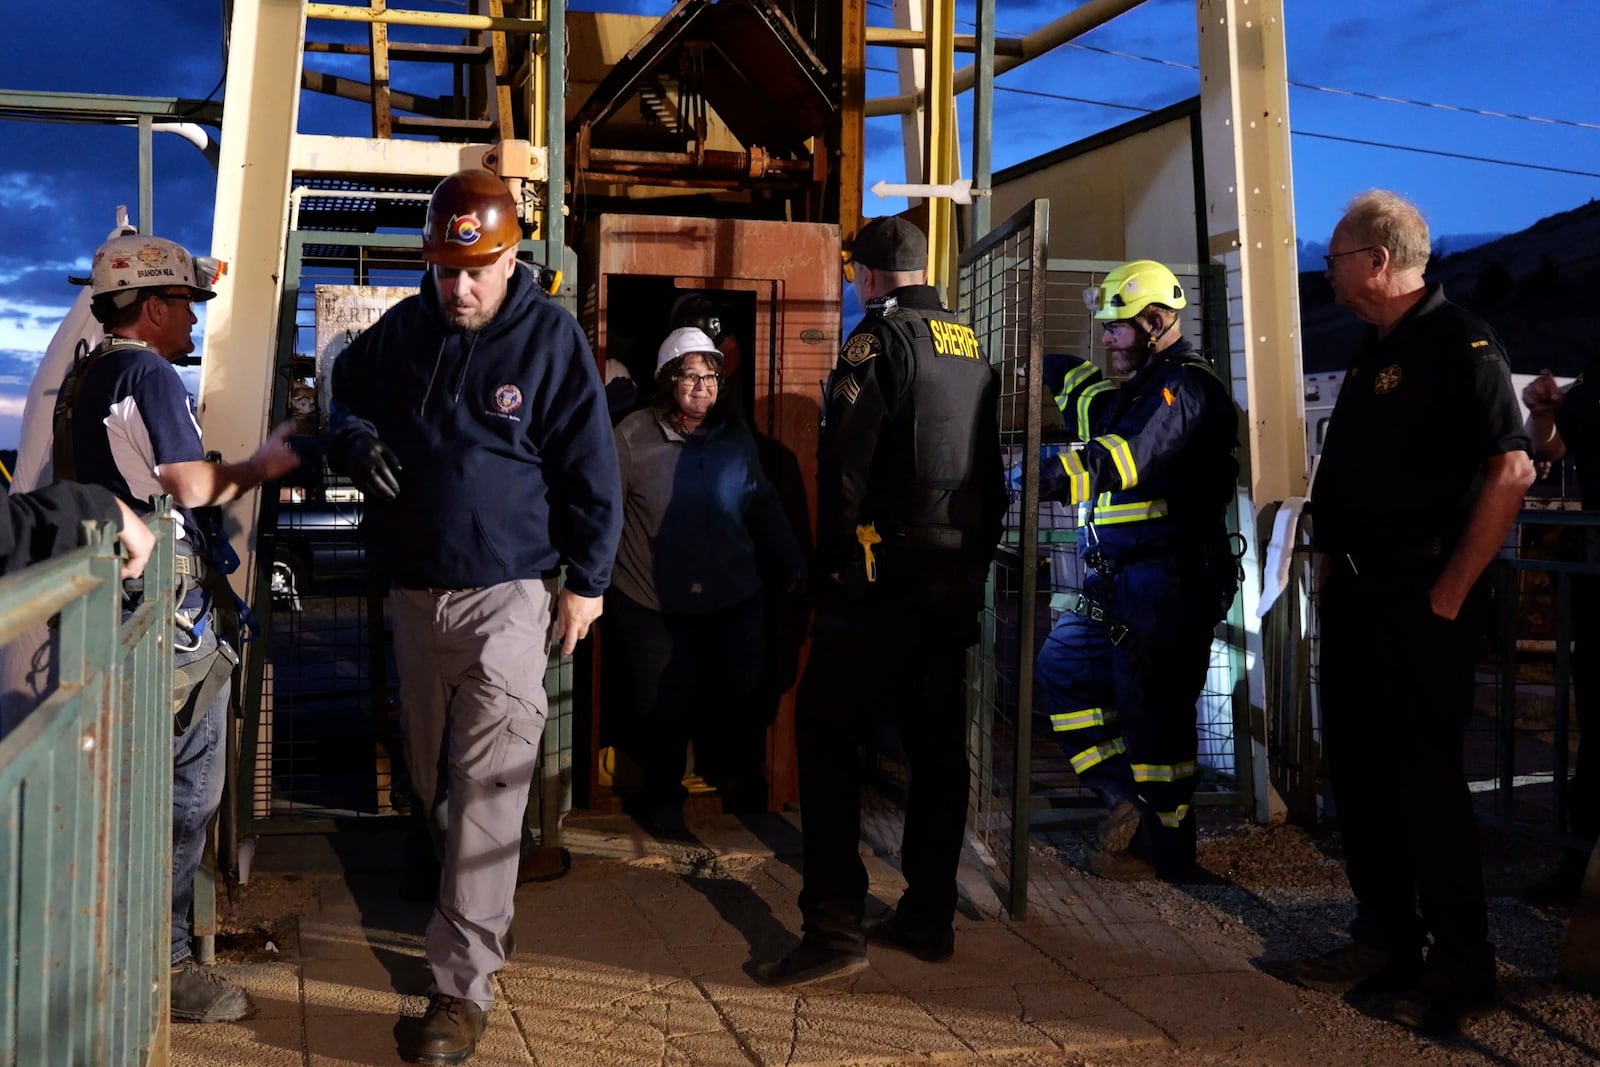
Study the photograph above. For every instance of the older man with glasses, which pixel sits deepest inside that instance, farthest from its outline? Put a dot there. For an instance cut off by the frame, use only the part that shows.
(1422, 475)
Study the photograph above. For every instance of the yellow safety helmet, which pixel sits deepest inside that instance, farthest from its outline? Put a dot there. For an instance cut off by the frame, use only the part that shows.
(1133, 287)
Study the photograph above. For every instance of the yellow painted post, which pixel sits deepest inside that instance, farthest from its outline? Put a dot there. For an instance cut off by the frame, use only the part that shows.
(939, 139)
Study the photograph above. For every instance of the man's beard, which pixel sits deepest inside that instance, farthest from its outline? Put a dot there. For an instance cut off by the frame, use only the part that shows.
(1125, 363)
(471, 322)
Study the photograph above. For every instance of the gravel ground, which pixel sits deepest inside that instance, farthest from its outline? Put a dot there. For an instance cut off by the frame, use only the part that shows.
(1279, 893)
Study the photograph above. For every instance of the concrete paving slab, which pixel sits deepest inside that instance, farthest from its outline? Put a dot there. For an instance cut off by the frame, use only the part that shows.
(348, 937)
(985, 951)
(581, 986)
(362, 987)
(1130, 949)
(258, 1042)
(639, 956)
(1061, 1014)
(1238, 1006)
(669, 1023)
(794, 1030)
(275, 987)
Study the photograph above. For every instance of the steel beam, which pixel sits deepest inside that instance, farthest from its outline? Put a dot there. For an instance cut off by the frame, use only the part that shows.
(1249, 190)
(320, 154)
(249, 231)
(17, 104)
(888, 37)
(1052, 35)
(553, 231)
(442, 20)
(982, 120)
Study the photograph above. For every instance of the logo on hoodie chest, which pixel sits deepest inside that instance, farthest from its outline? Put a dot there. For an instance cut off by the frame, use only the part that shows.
(507, 399)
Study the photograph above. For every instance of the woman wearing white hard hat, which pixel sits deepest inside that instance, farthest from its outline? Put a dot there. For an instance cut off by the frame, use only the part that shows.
(702, 532)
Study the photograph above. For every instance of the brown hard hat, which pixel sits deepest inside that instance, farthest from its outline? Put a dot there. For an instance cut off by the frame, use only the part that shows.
(472, 219)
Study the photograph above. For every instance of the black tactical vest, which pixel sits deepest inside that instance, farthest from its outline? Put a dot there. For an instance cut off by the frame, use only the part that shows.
(928, 489)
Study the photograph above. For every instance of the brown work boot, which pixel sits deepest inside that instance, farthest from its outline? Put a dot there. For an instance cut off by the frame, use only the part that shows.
(1116, 829)
(1121, 867)
(449, 1031)
(201, 995)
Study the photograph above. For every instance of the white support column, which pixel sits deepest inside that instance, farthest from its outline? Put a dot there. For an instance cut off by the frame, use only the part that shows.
(1249, 191)
(912, 70)
(250, 232)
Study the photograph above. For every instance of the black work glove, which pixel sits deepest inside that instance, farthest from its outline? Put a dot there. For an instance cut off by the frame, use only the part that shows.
(373, 467)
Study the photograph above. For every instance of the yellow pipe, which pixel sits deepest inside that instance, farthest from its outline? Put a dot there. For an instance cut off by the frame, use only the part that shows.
(891, 37)
(1046, 38)
(443, 20)
(939, 140)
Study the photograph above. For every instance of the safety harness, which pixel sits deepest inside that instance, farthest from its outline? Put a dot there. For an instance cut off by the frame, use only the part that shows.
(195, 684)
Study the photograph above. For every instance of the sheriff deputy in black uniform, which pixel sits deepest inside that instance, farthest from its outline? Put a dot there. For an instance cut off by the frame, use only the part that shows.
(910, 499)
(1422, 476)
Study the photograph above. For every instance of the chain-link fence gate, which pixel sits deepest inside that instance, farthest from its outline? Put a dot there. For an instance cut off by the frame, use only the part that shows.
(1000, 288)
(1024, 306)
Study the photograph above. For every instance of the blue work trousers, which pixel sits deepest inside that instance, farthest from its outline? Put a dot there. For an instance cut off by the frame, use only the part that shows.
(198, 769)
(1124, 711)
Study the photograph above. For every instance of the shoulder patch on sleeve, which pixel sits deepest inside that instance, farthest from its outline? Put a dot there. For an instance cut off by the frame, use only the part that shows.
(861, 347)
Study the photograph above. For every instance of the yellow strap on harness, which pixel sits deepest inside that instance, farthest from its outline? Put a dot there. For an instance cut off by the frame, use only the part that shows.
(866, 537)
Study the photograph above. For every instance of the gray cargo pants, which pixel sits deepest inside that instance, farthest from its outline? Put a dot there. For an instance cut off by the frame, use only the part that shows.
(472, 704)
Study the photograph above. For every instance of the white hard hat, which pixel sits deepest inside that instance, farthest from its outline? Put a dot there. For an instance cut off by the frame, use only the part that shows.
(124, 264)
(682, 342)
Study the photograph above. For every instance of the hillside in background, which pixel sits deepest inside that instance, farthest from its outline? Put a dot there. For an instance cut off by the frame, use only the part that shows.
(1537, 287)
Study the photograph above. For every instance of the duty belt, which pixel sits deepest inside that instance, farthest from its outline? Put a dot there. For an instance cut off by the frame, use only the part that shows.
(1089, 608)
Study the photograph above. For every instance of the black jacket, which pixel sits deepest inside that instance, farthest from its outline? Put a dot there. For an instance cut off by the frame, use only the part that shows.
(44, 523)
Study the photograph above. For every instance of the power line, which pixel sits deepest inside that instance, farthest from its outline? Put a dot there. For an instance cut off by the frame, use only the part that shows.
(1447, 155)
(1459, 108)
(1331, 90)
(1304, 133)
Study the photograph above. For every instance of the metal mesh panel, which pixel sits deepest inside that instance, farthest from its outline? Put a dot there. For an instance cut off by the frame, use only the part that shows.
(999, 292)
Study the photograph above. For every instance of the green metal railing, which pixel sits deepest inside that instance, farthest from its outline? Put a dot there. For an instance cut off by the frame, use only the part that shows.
(85, 823)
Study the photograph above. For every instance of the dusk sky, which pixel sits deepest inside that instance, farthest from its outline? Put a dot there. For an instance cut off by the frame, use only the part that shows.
(1472, 174)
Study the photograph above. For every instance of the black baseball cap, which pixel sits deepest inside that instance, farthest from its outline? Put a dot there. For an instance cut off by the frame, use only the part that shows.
(889, 242)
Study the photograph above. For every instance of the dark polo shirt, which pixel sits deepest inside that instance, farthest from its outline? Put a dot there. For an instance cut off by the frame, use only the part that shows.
(1419, 415)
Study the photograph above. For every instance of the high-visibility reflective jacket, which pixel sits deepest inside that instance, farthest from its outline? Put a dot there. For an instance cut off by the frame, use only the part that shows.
(1156, 470)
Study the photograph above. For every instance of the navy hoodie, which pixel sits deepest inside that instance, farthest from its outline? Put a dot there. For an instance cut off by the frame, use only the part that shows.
(509, 469)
